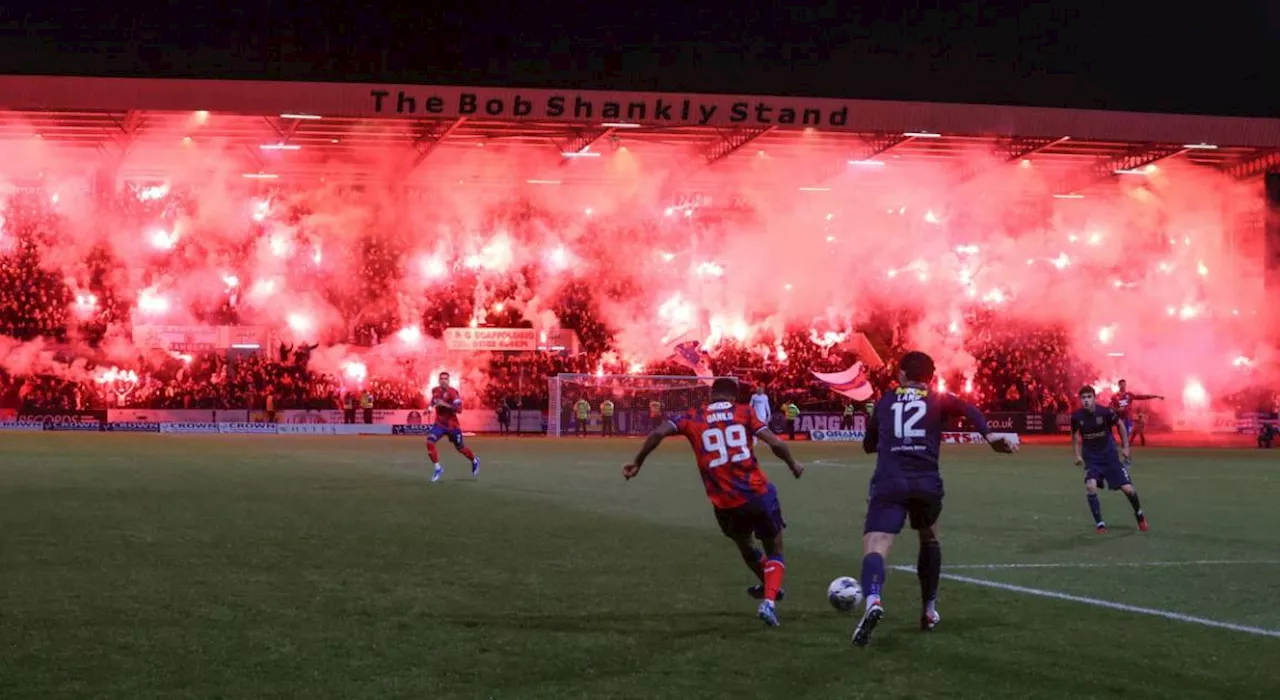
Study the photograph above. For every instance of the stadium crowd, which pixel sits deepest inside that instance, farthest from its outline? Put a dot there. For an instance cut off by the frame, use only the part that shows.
(1012, 367)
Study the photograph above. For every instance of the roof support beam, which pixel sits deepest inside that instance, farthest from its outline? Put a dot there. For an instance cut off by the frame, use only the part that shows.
(1020, 148)
(118, 144)
(1265, 162)
(729, 143)
(259, 165)
(584, 140)
(1009, 151)
(874, 145)
(1132, 162)
(284, 128)
(429, 138)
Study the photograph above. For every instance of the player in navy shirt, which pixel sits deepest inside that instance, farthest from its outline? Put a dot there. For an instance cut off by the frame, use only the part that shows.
(1093, 439)
(905, 433)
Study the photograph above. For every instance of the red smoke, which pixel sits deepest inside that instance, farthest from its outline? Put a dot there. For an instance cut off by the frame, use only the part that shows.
(1152, 272)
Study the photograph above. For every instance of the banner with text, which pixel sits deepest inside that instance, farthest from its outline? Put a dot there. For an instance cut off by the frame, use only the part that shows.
(180, 415)
(607, 107)
(491, 339)
(198, 338)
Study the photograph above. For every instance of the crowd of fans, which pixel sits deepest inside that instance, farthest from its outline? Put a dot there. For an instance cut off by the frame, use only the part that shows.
(1009, 367)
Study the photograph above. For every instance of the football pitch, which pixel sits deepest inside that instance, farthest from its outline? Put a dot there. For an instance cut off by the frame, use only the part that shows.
(150, 566)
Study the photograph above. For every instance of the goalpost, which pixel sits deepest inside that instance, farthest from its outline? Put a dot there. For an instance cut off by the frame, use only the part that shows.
(631, 395)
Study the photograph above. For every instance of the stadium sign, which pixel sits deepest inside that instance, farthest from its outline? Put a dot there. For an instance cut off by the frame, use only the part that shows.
(837, 435)
(305, 429)
(247, 428)
(418, 430)
(21, 426)
(188, 428)
(133, 427)
(197, 338)
(55, 416)
(491, 339)
(827, 422)
(637, 108)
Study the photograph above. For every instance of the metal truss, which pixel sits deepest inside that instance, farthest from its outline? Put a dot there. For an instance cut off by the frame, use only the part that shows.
(873, 145)
(284, 128)
(1012, 150)
(729, 143)
(429, 137)
(583, 140)
(1266, 162)
(121, 139)
(1132, 161)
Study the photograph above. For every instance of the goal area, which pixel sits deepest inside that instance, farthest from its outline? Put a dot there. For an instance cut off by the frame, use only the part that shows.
(636, 399)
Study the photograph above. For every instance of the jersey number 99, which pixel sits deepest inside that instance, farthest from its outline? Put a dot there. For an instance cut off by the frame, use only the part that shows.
(730, 444)
(905, 417)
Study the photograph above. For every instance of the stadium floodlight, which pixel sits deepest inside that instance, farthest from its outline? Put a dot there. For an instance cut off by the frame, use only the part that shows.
(246, 346)
(580, 154)
(1071, 195)
(260, 176)
(291, 115)
(868, 163)
(1199, 146)
(620, 125)
(280, 147)
(543, 182)
(815, 189)
(1131, 171)
(922, 134)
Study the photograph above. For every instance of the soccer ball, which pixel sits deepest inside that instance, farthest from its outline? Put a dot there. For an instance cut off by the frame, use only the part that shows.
(457, 403)
(845, 593)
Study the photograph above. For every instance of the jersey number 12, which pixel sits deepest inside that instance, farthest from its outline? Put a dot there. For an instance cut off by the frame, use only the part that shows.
(721, 442)
(905, 417)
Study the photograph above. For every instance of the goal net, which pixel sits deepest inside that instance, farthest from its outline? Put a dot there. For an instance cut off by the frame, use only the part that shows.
(639, 401)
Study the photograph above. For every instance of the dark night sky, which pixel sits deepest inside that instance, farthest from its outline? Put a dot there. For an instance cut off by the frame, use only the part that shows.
(1221, 57)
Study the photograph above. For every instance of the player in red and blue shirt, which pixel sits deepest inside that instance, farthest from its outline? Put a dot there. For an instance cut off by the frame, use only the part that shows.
(1122, 404)
(447, 403)
(745, 503)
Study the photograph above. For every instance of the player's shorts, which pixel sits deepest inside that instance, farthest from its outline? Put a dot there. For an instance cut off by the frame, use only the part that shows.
(1109, 472)
(453, 432)
(761, 517)
(1128, 424)
(891, 502)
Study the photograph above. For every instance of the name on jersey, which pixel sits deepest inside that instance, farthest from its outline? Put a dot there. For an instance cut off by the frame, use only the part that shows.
(720, 417)
(912, 392)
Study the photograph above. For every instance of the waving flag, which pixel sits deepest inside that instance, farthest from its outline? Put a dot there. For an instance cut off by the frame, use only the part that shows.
(852, 382)
(690, 354)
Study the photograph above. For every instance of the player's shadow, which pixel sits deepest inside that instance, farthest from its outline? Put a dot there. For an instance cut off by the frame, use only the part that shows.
(1081, 540)
(675, 625)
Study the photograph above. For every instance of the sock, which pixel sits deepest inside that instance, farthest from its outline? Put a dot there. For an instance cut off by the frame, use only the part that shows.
(466, 452)
(774, 568)
(1095, 507)
(433, 453)
(872, 576)
(1133, 501)
(929, 570)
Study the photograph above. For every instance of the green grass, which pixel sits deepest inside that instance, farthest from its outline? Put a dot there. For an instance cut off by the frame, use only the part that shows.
(187, 567)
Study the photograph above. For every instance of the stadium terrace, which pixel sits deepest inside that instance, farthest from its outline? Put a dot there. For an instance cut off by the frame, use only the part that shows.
(271, 239)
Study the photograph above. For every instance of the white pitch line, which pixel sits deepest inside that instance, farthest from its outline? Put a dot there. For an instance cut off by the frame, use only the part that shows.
(1107, 565)
(1058, 595)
